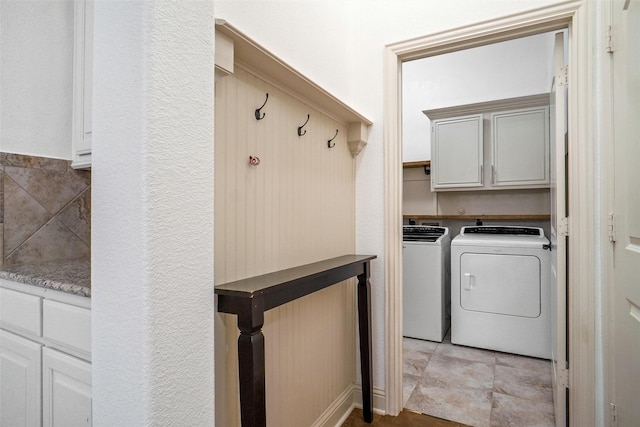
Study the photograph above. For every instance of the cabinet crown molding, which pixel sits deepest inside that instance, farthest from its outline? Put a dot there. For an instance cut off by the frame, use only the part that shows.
(528, 101)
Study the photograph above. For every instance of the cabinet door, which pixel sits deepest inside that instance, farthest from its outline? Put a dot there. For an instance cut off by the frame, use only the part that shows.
(20, 383)
(82, 84)
(520, 148)
(66, 390)
(456, 156)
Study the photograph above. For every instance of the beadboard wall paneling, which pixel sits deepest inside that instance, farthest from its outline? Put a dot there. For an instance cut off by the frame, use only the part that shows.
(296, 207)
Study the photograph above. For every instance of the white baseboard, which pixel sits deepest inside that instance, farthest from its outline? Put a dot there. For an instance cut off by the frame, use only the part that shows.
(379, 399)
(338, 411)
(336, 414)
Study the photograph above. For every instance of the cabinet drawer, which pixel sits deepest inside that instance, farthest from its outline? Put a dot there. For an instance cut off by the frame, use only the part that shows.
(67, 326)
(20, 312)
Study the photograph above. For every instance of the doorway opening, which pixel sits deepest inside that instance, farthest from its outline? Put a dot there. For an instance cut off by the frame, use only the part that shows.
(530, 23)
(505, 80)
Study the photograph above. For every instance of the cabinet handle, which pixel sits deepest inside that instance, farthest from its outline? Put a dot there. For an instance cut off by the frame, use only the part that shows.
(493, 175)
(481, 174)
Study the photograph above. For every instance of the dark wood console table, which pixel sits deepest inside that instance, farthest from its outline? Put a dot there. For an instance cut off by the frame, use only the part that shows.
(250, 298)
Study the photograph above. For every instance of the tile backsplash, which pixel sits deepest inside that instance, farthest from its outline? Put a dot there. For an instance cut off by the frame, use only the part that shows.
(45, 210)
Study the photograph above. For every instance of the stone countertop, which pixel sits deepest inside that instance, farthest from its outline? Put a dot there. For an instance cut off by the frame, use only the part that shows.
(73, 277)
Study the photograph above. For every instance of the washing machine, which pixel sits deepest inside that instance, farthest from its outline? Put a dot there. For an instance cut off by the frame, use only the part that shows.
(426, 282)
(500, 290)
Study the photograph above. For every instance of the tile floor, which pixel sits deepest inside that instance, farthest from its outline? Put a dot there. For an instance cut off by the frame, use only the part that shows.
(476, 387)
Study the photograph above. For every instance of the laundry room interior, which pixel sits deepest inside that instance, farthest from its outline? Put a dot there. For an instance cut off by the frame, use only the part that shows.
(478, 152)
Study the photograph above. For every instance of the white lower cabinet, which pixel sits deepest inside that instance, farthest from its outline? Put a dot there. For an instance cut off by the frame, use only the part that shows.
(20, 381)
(66, 390)
(45, 353)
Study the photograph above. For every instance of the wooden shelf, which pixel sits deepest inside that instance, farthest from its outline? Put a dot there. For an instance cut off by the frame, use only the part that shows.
(522, 217)
(417, 164)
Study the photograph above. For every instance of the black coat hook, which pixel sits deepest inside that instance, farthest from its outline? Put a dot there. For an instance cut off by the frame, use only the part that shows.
(300, 133)
(257, 112)
(329, 142)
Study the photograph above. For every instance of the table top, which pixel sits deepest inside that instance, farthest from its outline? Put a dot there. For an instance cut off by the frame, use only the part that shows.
(271, 281)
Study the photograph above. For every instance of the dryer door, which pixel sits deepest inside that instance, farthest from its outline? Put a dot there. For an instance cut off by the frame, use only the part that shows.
(500, 284)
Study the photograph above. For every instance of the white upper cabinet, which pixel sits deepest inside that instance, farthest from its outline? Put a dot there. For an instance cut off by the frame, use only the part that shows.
(82, 84)
(457, 159)
(491, 145)
(520, 147)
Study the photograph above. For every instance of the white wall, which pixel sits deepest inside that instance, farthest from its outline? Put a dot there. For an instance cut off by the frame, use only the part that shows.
(288, 30)
(152, 229)
(36, 58)
(503, 70)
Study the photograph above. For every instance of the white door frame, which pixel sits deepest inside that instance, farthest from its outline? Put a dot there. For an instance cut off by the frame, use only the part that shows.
(575, 16)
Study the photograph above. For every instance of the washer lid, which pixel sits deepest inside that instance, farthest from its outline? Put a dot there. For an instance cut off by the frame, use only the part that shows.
(423, 233)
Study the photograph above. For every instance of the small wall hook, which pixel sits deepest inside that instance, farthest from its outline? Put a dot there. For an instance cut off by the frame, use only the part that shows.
(330, 142)
(257, 112)
(300, 133)
(254, 161)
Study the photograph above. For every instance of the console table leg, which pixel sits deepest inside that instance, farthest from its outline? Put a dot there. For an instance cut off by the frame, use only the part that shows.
(252, 383)
(251, 367)
(364, 324)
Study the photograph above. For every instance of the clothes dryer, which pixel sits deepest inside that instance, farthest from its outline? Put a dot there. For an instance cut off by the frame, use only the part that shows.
(426, 282)
(500, 290)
